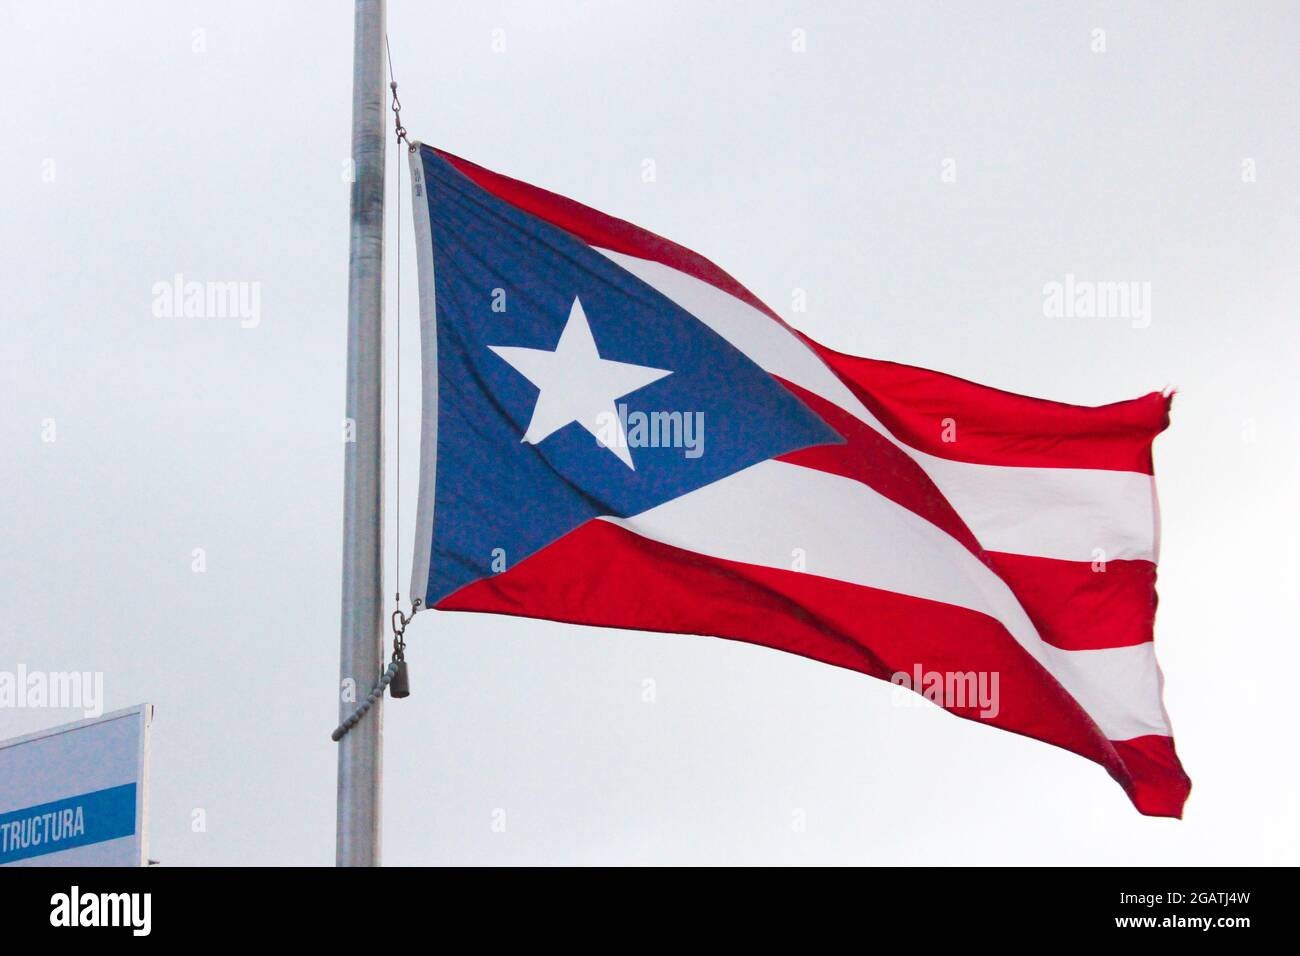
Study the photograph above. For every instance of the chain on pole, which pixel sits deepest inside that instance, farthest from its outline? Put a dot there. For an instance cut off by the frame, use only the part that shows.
(394, 677)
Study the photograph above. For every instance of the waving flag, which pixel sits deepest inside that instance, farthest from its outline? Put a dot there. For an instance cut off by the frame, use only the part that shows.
(617, 433)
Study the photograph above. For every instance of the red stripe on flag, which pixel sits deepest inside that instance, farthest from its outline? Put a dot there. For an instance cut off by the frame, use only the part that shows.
(950, 417)
(604, 575)
(1160, 786)
(869, 457)
(598, 229)
(1077, 608)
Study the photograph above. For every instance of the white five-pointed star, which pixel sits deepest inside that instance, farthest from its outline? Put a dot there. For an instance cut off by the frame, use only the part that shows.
(577, 385)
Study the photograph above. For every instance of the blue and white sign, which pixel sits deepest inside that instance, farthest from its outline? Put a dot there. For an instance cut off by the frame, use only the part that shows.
(75, 795)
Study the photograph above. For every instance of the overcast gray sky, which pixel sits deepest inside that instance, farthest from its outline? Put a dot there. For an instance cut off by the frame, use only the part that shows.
(149, 139)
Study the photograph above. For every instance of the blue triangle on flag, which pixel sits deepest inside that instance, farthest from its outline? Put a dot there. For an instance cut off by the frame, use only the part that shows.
(505, 280)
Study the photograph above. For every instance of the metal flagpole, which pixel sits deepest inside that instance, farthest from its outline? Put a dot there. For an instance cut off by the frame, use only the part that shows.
(362, 630)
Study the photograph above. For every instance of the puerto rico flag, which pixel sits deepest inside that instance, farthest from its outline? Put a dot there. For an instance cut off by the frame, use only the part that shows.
(616, 432)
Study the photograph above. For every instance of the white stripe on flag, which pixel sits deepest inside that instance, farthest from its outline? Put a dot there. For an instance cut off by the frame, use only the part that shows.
(851, 533)
(1075, 514)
